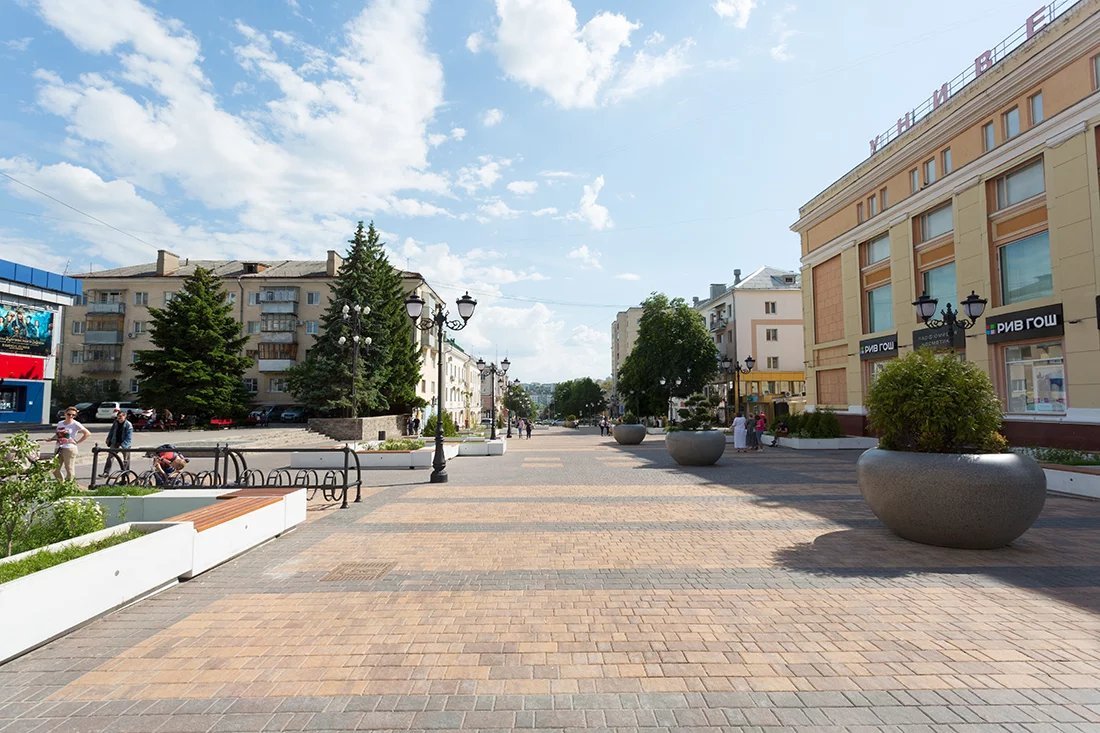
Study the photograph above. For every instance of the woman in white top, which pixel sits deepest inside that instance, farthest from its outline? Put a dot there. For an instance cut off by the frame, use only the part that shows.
(739, 433)
(69, 433)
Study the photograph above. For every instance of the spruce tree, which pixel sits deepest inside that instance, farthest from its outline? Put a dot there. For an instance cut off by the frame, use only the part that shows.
(197, 366)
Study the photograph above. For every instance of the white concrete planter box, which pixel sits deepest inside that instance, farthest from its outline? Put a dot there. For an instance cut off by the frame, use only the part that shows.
(482, 448)
(329, 460)
(848, 443)
(496, 447)
(158, 506)
(1072, 482)
(224, 541)
(43, 605)
(294, 509)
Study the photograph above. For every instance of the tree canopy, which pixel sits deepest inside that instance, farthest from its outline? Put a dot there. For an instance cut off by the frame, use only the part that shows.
(518, 402)
(196, 366)
(389, 367)
(673, 343)
(581, 397)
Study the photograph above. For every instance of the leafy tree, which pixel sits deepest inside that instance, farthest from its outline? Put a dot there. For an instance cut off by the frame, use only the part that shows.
(27, 488)
(450, 430)
(197, 366)
(518, 402)
(71, 390)
(389, 368)
(673, 343)
(582, 397)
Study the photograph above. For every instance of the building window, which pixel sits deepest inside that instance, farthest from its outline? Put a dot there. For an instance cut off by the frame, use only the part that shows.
(252, 327)
(313, 298)
(280, 322)
(939, 283)
(948, 166)
(139, 327)
(134, 386)
(1035, 105)
(1035, 378)
(311, 327)
(231, 298)
(253, 298)
(914, 181)
(277, 384)
(929, 171)
(278, 351)
(251, 385)
(78, 328)
(771, 306)
(141, 298)
(872, 205)
(251, 353)
(875, 367)
(1096, 72)
(880, 309)
(771, 334)
(76, 356)
(877, 250)
(773, 362)
(936, 223)
(988, 140)
(1020, 184)
(1025, 269)
(169, 296)
(859, 212)
(1011, 120)
(882, 198)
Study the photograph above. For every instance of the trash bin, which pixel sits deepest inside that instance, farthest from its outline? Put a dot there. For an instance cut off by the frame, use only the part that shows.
(381, 434)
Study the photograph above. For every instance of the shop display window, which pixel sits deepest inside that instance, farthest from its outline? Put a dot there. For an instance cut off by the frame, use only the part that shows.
(1035, 380)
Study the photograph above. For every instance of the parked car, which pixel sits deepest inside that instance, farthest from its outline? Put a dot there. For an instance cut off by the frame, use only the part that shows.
(106, 410)
(294, 414)
(85, 411)
(265, 414)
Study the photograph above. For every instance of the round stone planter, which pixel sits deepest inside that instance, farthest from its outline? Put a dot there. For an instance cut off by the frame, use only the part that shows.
(973, 502)
(695, 447)
(628, 434)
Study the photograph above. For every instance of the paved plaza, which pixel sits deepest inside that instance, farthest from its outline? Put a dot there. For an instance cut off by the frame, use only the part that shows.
(575, 583)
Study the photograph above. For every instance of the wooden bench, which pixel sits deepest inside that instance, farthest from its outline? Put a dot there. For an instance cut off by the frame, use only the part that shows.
(221, 512)
(260, 491)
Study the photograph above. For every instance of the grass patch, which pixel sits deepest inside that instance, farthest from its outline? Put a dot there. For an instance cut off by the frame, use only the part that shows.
(49, 558)
(399, 444)
(1065, 456)
(119, 491)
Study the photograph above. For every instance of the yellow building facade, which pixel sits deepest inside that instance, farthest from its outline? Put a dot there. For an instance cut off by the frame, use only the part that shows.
(990, 187)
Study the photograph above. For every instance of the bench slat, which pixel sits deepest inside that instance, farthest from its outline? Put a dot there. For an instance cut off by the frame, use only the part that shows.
(223, 511)
(260, 491)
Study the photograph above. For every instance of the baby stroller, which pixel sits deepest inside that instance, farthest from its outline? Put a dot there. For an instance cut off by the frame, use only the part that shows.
(168, 464)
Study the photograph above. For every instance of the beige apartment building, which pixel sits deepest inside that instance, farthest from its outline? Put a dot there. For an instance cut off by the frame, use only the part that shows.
(991, 187)
(624, 332)
(279, 305)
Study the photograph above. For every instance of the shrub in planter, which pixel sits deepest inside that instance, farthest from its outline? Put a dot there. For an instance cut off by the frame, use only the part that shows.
(629, 431)
(28, 489)
(402, 444)
(940, 474)
(818, 424)
(449, 428)
(694, 442)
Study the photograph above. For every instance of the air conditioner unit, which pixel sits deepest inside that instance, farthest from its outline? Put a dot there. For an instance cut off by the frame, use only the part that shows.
(132, 334)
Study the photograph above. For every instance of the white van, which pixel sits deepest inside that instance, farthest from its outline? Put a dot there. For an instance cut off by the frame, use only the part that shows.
(107, 410)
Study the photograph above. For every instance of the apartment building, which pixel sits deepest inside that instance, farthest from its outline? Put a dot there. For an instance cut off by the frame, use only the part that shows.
(758, 316)
(624, 332)
(279, 305)
(989, 187)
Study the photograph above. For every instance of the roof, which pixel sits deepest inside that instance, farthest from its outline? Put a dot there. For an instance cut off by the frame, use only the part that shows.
(290, 269)
(771, 278)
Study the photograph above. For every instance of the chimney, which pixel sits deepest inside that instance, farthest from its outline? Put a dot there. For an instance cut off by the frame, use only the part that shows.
(695, 300)
(333, 263)
(716, 289)
(167, 263)
(736, 277)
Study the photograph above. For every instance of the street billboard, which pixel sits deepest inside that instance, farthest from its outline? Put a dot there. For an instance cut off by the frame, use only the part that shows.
(25, 330)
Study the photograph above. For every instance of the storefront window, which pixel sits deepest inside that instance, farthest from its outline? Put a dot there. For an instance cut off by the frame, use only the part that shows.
(1035, 378)
(880, 309)
(1025, 269)
(874, 368)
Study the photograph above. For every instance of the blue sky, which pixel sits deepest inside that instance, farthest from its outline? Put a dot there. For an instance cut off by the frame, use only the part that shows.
(559, 159)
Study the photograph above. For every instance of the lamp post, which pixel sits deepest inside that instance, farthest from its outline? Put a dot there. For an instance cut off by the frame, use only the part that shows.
(495, 372)
(972, 305)
(729, 366)
(414, 306)
(353, 317)
(677, 383)
(509, 395)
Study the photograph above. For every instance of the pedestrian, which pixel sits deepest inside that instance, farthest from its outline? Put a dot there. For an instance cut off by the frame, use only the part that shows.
(529, 427)
(416, 426)
(761, 426)
(119, 438)
(739, 433)
(69, 433)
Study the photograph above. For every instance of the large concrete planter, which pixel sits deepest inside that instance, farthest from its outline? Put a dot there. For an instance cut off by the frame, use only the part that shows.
(695, 447)
(628, 434)
(974, 502)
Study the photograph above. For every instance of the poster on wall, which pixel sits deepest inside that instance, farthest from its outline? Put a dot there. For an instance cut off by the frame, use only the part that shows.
(25, 330)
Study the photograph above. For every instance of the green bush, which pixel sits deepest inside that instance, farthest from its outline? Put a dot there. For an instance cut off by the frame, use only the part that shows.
(28, 489)
(449, 428)
(70, 517)
(698, 413)
(403, 443)
(928, 403)
(571, 418)
(49, 558)
(630, 419)
(817, 424)
(1065, 456)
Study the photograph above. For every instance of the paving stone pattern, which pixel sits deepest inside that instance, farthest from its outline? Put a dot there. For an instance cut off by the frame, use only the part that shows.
(574, 583)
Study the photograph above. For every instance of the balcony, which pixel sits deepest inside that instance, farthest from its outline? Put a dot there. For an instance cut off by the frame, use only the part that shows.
(275, 365)
(279, 307)
(278, 337)
(118, 308)
(103, 337)
(103, 366)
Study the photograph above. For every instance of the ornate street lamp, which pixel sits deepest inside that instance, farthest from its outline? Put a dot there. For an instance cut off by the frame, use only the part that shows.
(973, 306)
(495, 372)
(414, 306)
(677, 383)
(729, 366)
(353, 316)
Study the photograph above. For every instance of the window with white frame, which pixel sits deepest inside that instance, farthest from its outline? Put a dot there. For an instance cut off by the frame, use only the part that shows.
(78, 328)
(872, 205)
(1020, 184)
(231, 298)
(169, 296)
(929, 171)
(1035, 107)
(254, 298)
(135, 386)
(773, 362)
(770, 306)
(1011, 120)
(914, 181)
(988, 140)
(76, 356)
(311, 327)
(251, 385)
(1096, 72)
(882, 199)
(139, 327)
(141, 298)
(278, 384)
(1035, 379)
(948, 165)
(771, 334)
(936, 223)
(877, 249)
(252, 327)
(313, 298)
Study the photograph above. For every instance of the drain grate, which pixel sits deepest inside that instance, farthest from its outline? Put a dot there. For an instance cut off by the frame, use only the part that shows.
(359, 571)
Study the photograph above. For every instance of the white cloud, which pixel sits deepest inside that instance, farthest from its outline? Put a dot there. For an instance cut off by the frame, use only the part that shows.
(589, 258)
(18, 44)
(646, 71)
(475, 42)
(548, 211)
(540, 43)
(458, 133)
(596, 215)
(483, 175)
(559, 174)
(738, 10)
(783, 33)
(656, 38)
(492, 117)
(628, 276)
(496, 209)
(523, 188)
